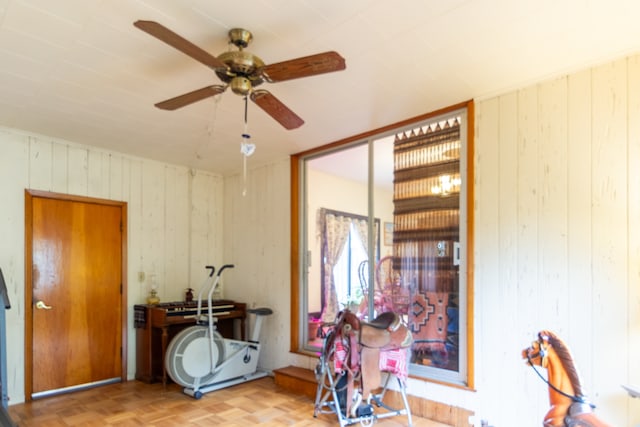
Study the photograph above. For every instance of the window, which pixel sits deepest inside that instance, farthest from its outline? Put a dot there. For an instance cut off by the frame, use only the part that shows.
(350, 284)
(416, 178)
(344, 256)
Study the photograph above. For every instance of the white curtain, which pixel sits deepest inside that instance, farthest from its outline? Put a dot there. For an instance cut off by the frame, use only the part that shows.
(336, 232)
(362, 226)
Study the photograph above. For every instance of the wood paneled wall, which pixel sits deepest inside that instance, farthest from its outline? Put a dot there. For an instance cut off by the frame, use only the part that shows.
(175, 221)
(558, 239)
(257, 240)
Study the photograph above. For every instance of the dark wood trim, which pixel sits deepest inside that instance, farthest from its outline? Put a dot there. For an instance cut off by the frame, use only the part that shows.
(28, 295)
(125, 287)
(73, 198)
(28, 288)
(470, 242)
(295, 247)
(364, 135)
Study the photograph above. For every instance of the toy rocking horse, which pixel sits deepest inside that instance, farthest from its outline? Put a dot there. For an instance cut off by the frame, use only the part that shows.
(569, 406)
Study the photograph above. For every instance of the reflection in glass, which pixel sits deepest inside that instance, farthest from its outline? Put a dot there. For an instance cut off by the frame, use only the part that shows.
(344, 241)
(426, 237)
(336, 234)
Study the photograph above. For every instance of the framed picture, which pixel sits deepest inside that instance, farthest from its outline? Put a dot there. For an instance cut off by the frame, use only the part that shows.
(388, 233)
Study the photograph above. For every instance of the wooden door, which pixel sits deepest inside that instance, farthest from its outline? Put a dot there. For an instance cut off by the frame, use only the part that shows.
(76, 295)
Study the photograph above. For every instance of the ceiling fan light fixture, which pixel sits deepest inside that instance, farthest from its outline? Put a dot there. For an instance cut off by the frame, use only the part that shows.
(240, 85)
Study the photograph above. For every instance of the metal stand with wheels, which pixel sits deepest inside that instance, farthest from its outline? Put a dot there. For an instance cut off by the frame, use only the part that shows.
(331, 394)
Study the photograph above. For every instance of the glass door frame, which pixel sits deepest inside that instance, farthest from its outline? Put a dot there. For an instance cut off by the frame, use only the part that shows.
(299, 231)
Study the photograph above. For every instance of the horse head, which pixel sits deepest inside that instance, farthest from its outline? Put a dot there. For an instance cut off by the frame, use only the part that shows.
(569, 406)
(536, 353)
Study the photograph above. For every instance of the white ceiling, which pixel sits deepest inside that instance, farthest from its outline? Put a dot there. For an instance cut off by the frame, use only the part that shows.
(79, 70)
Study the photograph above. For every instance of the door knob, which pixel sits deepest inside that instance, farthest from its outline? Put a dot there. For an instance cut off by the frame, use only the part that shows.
(40, 305)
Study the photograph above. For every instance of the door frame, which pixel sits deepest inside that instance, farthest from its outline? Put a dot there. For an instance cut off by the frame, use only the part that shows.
(28, 278)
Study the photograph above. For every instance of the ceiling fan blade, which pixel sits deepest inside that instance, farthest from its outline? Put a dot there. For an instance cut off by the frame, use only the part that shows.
(276, 109)
(183, 45)
(191, 97)
(320, 63)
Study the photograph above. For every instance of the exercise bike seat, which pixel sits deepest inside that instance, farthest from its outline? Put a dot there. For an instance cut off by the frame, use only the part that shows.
(261, 311)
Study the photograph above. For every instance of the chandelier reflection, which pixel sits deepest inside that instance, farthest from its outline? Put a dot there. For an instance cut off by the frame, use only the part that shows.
(447, 184)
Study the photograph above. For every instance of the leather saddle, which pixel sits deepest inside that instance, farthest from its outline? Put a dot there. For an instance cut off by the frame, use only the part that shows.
(385, 332)
(368, 339)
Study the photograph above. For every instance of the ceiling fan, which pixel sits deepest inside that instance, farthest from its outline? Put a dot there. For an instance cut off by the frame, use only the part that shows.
(243, 71)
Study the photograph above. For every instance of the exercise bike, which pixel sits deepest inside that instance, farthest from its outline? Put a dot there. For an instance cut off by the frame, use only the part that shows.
(201, 360)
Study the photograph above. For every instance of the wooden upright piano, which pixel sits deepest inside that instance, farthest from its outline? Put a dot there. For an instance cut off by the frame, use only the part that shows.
(157, 324)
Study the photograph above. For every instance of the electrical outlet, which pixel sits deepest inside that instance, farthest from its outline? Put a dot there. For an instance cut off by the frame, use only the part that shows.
(141, 276)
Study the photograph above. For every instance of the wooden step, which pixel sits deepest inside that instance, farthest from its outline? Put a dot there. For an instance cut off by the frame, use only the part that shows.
(297, 380)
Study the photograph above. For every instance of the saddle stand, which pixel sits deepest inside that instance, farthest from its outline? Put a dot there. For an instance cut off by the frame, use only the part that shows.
(354, 358)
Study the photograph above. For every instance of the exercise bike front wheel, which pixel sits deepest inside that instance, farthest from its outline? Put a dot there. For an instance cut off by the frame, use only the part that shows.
(190, 356)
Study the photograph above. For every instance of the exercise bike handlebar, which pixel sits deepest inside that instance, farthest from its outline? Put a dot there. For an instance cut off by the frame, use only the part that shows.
(215, 284)
(212, 268)
(210, 318)
(210, 283)
(223, 267)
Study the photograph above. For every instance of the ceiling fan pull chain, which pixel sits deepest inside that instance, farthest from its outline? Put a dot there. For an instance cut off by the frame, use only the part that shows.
(246, 149)
(246, 108)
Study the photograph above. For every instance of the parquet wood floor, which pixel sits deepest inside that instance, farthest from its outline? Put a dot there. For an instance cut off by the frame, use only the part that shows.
(134, 403)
